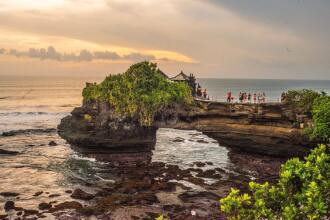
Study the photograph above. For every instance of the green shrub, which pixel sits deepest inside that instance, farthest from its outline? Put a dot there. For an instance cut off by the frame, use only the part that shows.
(161, 217)
(321, 118)
(302, 99)
(88, 117)
(139, 92)
(303, 192)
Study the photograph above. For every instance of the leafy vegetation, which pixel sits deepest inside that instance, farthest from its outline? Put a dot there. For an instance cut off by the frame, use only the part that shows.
(161, 217)
(303, 192)
(321, 118)
(302, 99)
(141, 91)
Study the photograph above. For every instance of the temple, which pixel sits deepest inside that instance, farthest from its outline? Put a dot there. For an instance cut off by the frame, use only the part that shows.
(191, 80)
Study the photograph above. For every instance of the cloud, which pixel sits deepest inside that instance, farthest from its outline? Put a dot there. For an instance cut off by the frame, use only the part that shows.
(83, 56)
(138, 56)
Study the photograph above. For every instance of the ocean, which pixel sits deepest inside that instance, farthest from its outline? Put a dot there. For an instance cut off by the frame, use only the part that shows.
(32, 107)
(40, 102)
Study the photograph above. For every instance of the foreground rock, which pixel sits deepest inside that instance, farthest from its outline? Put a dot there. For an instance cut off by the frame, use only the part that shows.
(9, 194)
(80, 194)
(8, 152)
(9, 205)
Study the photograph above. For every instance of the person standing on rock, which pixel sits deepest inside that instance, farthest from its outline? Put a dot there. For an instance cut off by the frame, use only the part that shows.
(254, 98)
(229, 97)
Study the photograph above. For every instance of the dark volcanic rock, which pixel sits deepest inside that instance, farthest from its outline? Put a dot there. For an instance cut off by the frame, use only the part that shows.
(178, 139)
(8, 152)
(9, 194)
(44, 206)
(38, 193)
(28, 131)
(54, 195)
(52, 143)
(9, 205)
(66, 205)
(199, 164)
(80, 194)
(191, 196)
(28, 212)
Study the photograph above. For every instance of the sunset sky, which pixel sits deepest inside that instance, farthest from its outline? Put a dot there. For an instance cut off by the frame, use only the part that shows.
(211, 38)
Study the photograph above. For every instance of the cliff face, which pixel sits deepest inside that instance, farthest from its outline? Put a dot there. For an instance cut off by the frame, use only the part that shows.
(269, 129)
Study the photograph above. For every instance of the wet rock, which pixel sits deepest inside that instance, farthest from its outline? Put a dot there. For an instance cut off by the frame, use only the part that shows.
(9, 205)
(196, 181)
(178, 139)
(52, 143)
(66, 205)
(68, 191)
(54, 195)
(38, 193)
(44, 206)
(8, 152)
(86, 211)
(9, 194)
(192, 196)
(144, 199)
(197, 170)
(133, 186)
(209, 174)
(199, 164)
(209, 163)
(28, 212)
(3, 216)
(80, 194)
(163, 186)
(113, 200)
(202, 141)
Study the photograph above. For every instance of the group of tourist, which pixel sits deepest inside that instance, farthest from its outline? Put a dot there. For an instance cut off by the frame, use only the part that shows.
(244, 97)
(201, 93)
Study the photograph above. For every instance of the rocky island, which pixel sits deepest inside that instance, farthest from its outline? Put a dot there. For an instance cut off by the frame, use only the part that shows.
(98, 126)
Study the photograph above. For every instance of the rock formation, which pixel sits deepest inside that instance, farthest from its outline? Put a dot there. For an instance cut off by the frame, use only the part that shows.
(271, 129)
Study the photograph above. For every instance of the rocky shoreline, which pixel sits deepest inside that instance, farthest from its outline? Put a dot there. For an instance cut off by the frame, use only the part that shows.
(148, 190)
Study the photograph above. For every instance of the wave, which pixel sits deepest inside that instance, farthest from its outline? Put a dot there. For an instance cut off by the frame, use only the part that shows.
(31, 113)
(28, 131)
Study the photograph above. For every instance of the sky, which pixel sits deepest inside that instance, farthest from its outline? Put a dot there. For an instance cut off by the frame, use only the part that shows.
(286, 39)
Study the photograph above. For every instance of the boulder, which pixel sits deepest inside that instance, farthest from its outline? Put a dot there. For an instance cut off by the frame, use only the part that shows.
(52, 143)
(8, 152)
(9, 205)
(9, 194)
(82, 195)
(44, 206)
